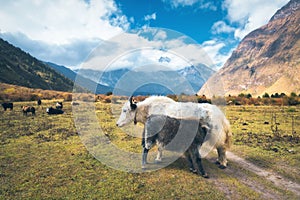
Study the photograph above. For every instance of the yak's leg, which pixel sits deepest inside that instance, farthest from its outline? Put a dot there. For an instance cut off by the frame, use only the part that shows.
(159, 153)
(222, 161)
(194, 153)
(145, 151)
(147, 143)
(144, 157)
(189, 158)
(147, 137)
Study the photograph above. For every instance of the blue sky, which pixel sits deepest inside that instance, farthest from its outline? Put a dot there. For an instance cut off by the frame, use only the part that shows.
(193, 20)
(66, 32)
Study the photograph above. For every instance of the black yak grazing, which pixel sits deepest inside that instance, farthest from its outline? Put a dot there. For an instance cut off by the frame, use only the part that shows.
(7, 105)
(54, 111)
(39, 102)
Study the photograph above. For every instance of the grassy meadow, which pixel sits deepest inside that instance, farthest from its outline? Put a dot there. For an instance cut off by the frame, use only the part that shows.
(43, 157)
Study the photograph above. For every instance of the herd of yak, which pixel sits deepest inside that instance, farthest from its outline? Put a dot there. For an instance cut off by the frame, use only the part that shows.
(31, 109)
(203, 126)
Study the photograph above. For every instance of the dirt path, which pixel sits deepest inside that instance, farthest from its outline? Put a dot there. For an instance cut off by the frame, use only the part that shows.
(238, 171)
(275, 178)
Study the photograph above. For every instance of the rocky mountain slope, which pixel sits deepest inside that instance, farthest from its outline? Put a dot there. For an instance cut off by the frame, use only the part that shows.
(266, 60)
(20, 68)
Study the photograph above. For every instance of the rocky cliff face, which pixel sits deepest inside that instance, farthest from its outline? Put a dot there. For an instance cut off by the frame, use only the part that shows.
(267, 59)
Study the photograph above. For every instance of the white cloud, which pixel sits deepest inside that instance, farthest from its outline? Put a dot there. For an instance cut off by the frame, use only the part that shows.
(221, 27)
(59, 31)
(251, 15)
(160, 35)
(202, 4)
(135, 50)
(177, 3)
(150, 17)
(64, 54)
(62, 22)
(213, 49)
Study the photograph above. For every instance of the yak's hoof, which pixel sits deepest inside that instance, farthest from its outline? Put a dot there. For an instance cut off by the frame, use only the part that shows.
(217, 163)
(157, 160)
(193, 170)
(205, 175)
(143, 167)
(222, 167)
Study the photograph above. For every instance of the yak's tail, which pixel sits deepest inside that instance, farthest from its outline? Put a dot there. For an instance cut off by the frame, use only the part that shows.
(228, 133)
(219, 134)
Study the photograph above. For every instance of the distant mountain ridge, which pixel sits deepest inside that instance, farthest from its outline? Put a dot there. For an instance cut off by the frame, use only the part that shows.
(196, 76)
(80, 80)
(108, 78)
(20, 68)
(187, 80)
(67, 72)
(266, 60)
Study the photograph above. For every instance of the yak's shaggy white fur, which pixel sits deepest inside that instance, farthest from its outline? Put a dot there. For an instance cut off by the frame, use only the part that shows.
(218, 135)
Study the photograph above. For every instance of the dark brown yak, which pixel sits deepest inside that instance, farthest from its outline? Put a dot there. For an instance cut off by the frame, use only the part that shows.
(27, 109)
(163, 130)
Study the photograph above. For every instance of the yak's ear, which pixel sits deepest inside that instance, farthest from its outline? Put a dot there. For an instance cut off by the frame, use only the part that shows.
(133, 106)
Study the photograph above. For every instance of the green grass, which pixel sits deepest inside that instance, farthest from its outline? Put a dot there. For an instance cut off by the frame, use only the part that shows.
(256, 141)
(42, 157)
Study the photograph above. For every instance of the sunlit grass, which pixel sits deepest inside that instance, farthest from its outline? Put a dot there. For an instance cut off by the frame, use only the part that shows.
(42, 157)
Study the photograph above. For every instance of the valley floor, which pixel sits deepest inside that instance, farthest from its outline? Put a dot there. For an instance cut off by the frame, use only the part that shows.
(43, 157)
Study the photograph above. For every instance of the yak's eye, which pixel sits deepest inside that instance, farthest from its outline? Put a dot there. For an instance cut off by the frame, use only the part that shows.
(124, 110)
